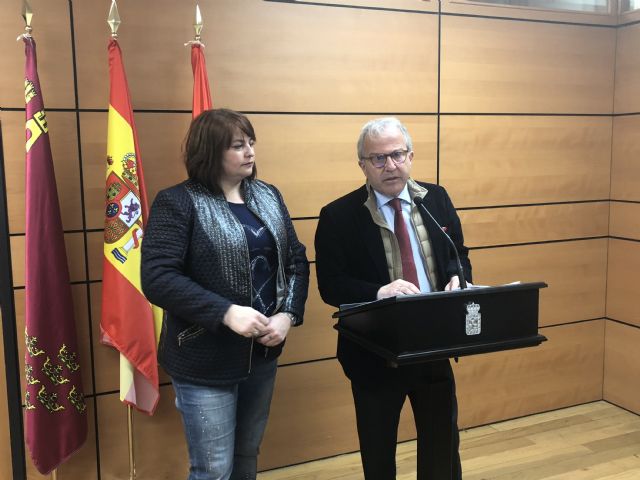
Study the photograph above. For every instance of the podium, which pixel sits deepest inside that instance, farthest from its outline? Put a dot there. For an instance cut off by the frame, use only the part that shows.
(438, 325)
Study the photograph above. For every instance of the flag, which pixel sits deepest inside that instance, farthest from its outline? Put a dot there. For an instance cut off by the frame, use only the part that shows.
(129, 322)
(201, 94)
(55, 413)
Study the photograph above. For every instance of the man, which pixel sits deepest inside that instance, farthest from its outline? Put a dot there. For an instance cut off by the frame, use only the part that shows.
(375, 243)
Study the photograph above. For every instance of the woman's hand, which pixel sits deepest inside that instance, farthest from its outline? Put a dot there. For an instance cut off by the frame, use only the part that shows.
(246, 321)
(279, 325)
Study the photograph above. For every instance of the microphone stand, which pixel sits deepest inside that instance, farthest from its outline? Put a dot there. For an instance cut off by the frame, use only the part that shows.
(419, 202)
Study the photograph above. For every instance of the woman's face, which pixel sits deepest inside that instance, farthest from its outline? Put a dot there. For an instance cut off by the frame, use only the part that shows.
(238, 160)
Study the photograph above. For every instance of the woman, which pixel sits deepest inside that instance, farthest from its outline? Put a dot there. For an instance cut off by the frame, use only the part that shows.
(220, 255)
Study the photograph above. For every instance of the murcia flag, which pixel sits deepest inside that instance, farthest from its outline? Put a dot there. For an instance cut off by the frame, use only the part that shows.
(129, 322)
(55, 413)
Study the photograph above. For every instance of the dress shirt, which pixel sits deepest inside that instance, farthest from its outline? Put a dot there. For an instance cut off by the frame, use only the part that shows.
(388, 213)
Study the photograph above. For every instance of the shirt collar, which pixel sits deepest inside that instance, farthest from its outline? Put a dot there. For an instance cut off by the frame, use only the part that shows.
(382, 199)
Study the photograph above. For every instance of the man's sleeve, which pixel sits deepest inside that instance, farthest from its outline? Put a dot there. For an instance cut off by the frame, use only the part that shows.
(337, 282)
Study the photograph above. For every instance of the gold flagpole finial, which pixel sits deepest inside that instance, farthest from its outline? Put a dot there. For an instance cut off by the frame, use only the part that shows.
(27, 14)
(198, 25)
(114, 19)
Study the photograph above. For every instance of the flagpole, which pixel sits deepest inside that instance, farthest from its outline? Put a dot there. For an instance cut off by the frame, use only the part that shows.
(132, 458)
(54, 474)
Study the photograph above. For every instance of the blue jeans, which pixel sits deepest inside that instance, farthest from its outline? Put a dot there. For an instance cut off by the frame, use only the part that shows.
(224, 424)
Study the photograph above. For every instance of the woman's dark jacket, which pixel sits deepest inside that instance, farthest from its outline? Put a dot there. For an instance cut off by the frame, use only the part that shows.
(195, 265)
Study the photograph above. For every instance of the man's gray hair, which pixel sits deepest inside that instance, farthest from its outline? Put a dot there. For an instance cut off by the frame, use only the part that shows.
(375, 128)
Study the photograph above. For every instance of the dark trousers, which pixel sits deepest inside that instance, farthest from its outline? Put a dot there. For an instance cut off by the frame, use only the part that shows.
(435, 410)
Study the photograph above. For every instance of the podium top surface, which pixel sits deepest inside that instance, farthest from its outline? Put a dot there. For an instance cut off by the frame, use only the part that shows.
(353, 308)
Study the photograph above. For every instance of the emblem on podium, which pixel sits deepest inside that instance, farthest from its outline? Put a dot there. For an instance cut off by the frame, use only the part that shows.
(473, 319)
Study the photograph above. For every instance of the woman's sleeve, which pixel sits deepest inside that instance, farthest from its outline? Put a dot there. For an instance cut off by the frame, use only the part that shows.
(296, 268)
(165, 247)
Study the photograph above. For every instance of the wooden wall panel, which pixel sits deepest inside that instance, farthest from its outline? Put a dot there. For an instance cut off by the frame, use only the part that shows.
(316, 338)
(95, 247)
(565, 370)
(286, 55)
(312, 409)
(622, 366)
(575, 272)
(514, 160)
(313, 160)
(306, 231)
(541, 223)
(64, 147)
(52, 34)
(160, 136)
(622, 288)
(625, 169)
(470, 7)
(624, 220)
(524, 67)
(627, 97)
(416, 5)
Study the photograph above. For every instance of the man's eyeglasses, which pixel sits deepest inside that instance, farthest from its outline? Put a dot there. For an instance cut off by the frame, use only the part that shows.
(379, 160)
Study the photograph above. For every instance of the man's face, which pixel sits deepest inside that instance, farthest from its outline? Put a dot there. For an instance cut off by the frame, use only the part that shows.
(392, 177)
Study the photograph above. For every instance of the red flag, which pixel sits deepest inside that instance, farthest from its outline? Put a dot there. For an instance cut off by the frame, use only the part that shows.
(129, 322)
(201, 94)
(55, 411)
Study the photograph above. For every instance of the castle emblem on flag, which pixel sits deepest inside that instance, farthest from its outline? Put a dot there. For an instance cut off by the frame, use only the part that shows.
(473, 319)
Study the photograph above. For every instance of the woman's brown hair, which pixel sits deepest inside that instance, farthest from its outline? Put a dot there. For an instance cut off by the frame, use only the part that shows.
(210, 135)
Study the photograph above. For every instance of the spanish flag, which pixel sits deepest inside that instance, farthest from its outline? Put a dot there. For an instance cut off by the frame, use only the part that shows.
(201, 93)
(129, 322)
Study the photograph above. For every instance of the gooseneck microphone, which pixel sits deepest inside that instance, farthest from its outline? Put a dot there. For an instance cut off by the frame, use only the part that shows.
(420, 203)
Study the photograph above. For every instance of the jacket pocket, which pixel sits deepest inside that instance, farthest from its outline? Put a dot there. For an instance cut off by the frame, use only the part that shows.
(194, 331)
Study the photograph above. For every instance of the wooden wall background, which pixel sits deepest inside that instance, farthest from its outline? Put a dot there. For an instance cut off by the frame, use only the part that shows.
(622, 357)
(528, 118)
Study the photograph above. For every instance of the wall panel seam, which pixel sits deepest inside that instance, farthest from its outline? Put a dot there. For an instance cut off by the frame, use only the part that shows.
(622, 322)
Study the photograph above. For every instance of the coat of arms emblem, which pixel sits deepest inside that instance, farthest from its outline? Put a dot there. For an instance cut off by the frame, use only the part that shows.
(473, 319)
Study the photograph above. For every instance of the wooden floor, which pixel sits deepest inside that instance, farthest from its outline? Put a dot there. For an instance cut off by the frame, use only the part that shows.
(593, 441)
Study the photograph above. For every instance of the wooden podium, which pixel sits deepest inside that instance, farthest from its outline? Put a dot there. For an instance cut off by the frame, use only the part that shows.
(438, 325)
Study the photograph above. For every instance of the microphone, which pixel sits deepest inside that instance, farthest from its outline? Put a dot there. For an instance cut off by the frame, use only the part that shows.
(420, 203)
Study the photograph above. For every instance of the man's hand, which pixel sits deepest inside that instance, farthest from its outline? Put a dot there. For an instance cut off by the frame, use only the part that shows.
(454, 284)
(276, 332)
(397, 287)
(245, 321)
